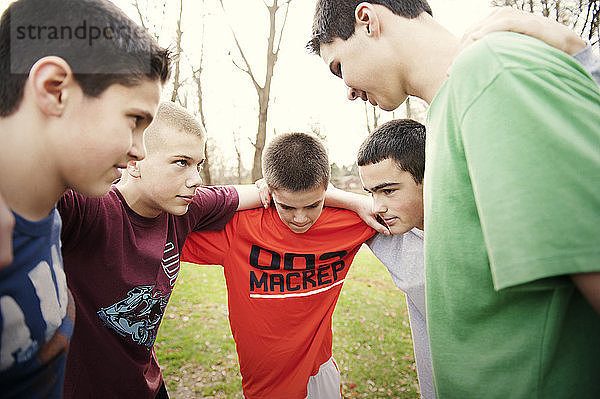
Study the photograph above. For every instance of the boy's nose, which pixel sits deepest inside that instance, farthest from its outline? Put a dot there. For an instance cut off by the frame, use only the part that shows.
(137, 151)
(378, 206)
(194, 180)
(300, 218)
(353, 94)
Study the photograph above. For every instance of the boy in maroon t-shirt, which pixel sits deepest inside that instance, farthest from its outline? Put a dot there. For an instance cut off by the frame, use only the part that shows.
(121, 257)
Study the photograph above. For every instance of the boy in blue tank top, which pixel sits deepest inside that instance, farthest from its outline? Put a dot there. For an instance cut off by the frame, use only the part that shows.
(68, 119)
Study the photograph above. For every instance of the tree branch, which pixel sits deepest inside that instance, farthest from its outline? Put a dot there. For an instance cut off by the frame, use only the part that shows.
(287, 9)
(251, 142)
(239, 47)
(136, 4)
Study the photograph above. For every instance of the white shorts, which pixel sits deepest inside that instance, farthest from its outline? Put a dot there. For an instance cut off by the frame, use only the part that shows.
(326, 384)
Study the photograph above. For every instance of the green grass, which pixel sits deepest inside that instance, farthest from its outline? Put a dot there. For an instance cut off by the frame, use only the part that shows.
(372, 342)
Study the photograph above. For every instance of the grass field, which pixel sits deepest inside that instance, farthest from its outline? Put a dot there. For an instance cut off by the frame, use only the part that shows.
(372, 342)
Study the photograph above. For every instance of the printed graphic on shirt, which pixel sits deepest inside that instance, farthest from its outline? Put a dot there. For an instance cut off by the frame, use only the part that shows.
(170, 262)
(138, 315)
(286, 275)
(18, 343)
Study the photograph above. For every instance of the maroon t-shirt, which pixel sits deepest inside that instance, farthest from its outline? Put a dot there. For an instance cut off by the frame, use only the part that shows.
(121, 268)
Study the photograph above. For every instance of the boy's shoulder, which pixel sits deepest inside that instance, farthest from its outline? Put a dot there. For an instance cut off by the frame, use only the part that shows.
(504, 51)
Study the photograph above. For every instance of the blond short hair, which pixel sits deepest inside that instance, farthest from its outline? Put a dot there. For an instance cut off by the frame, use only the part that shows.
(169, 117)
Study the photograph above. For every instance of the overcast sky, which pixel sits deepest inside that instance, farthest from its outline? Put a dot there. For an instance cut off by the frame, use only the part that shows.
(304, 93)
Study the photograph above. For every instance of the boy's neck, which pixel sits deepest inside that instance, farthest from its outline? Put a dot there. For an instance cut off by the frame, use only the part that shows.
(29, 181)
(134, 197)
(430, 55)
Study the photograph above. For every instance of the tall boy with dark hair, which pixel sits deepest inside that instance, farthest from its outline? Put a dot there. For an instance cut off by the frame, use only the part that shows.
(511, 210)
(284, 268)
(68, 119)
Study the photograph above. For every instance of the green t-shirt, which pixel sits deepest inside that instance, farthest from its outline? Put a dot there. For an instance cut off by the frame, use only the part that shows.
(512, 207)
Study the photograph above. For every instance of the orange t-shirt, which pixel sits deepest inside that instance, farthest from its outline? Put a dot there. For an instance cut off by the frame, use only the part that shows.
(282, 288)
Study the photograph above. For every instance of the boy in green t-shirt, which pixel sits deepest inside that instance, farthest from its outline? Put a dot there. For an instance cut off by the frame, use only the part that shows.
(511, 220)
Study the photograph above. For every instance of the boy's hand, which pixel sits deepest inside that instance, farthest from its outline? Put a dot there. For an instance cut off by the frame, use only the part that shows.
(7, 223)
(509, 19)
(365, 211)
(263, 192)
(361, 204)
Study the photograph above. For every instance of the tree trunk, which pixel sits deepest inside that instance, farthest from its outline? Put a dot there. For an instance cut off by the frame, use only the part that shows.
(264, 91)
(176, 74)
(408, 109)
(261, 136)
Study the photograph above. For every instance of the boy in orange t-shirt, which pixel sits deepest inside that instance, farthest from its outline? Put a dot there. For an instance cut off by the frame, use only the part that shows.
(284, 268)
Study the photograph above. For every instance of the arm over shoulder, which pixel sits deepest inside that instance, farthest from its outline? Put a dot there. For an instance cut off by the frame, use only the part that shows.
(213, 207)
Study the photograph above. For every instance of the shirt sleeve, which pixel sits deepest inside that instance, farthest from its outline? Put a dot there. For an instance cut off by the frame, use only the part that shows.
(590, 62)
(531, 141)
(208, 247)
(74, 210)
(213, 207)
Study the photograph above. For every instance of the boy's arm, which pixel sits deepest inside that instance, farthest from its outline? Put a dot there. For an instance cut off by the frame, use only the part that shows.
(361, 204)
(7, 223)
(250, 196)
(509, 19)
(551, 32)
(589, 286)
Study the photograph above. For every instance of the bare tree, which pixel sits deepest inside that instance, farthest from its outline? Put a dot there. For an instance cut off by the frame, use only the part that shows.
(589, 13)
(264, 91)
(238, 154)
(197, 77)
(151, 28)
(177, 67)
(197, 74)
(374, 122)
(178, 95)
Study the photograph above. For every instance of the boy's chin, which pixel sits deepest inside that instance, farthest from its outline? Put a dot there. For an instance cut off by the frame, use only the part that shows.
(177, 211)
(398, 230)
(97, 190)
(299, 230)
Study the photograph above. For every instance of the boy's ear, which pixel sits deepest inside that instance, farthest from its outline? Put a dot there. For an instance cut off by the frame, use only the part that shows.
(51, 78)
(367, 19)
(133, 169)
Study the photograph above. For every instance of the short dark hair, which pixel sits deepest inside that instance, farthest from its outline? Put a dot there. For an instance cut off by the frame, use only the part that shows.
(335, 18)
(296, 162)
(71, 29)
(402, 140)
